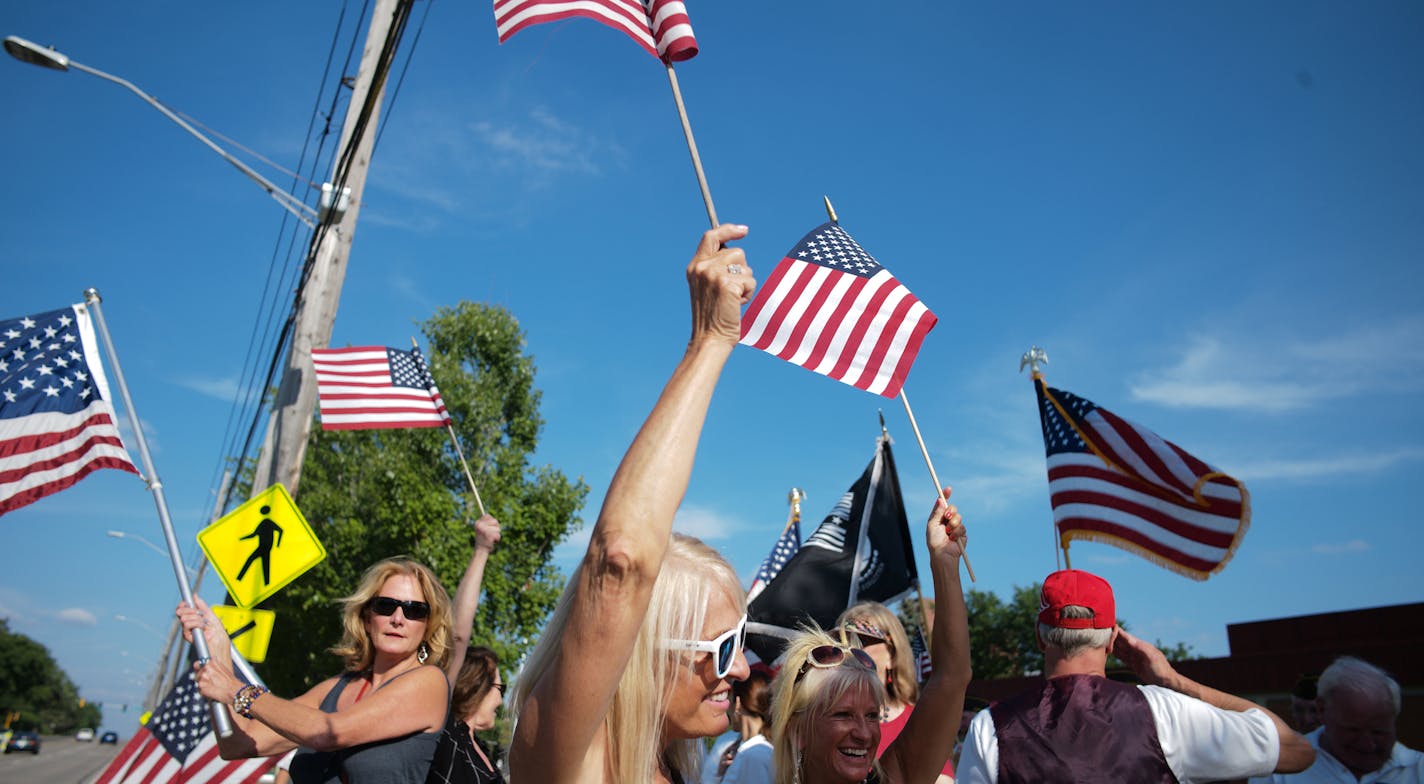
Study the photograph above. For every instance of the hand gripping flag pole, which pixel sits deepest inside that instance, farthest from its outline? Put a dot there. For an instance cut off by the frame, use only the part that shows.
(222, 722)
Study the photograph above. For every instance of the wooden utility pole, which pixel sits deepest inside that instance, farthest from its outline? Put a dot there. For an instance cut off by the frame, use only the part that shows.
(290, 423)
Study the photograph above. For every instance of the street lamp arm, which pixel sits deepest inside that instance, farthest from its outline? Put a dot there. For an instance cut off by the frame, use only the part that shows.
(48, 58)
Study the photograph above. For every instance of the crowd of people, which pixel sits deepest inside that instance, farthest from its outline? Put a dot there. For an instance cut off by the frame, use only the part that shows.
(642, 660)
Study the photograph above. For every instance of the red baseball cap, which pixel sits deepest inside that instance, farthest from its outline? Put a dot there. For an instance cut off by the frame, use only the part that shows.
(1075, 587)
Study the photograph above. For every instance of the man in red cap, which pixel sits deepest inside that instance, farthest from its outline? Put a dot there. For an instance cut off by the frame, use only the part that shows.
(1080, 726)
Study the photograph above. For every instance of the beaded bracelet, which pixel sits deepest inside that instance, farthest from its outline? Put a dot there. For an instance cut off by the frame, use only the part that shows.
(242, 701)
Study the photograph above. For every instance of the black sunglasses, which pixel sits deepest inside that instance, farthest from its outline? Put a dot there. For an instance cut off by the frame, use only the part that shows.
(385, 605)
(501, 687)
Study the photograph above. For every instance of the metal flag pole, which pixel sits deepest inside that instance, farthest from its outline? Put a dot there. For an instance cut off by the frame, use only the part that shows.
(692, 146)
(1031, 359)
(222, 722)
(939, 488)
(456, 443)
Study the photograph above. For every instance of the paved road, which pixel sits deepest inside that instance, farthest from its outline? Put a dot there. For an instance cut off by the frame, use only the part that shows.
(62, 760)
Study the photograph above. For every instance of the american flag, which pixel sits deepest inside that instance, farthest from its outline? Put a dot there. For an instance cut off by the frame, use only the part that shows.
(1115, 482)
(833, 309)
(56, 423)
(178, 745)
(920, 652)
(659, 26)
(786, 546)
(376, 387)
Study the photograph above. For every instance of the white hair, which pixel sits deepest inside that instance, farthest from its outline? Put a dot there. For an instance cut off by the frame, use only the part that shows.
(1074, 641)
(1357, 676)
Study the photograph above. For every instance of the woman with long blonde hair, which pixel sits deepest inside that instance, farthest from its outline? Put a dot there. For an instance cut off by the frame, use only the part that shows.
(637, 660)
(828, 696)
(379, 720)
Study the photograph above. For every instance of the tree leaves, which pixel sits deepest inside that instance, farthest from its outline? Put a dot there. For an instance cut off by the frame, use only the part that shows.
(371, 494)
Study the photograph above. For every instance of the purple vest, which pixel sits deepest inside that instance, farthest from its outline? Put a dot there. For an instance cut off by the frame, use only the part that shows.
(1079, 728)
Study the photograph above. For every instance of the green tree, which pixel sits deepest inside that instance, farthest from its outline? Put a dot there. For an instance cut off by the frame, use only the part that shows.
(33, 685)
(371, 494)
(1003, 641)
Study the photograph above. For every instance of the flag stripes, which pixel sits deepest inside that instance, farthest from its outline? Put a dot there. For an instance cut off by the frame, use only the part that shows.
(832, 309)
(56, 423)
(660, 27)
(376, 387)
(1115, 482)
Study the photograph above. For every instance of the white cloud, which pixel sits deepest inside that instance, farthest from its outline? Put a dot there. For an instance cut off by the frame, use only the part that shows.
(224, 389)
(1275, 376)
(77, 616)
(703, 523)
(1373, 462)
(1337, 548)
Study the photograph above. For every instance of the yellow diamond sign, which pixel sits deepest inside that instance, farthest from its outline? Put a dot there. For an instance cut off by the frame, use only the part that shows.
(250, 630)
(261, 546)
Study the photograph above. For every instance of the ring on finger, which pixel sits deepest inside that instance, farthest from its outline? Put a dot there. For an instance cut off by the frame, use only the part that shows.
(734, 269)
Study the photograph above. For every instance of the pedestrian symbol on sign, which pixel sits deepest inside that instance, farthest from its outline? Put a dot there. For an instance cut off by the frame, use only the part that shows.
(261, 546)
(263, 533)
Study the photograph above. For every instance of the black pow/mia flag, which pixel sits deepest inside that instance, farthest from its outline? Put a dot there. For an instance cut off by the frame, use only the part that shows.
(861, 551)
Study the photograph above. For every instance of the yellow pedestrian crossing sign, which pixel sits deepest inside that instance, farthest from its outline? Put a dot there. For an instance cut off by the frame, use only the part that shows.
(250, 630)
(261, 546)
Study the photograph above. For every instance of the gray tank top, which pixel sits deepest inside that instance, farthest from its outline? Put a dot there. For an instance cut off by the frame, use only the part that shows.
(403, 760)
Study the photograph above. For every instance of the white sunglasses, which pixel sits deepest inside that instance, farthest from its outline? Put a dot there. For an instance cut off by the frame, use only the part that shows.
(724, 647)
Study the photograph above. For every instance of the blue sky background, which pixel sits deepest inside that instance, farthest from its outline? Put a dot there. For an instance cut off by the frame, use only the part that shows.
(1211, 215)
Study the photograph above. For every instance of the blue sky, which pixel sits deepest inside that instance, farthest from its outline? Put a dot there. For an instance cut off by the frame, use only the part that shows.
(1210, 215)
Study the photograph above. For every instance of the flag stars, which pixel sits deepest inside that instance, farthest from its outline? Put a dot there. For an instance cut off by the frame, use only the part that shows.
(11, 334)
(67, 382)
(69, 338)
(65, 320)
(27, 383)
(9, 396)
(51, 391)
(50, 332)
(27, 323)
(36, 343)
(46, 370)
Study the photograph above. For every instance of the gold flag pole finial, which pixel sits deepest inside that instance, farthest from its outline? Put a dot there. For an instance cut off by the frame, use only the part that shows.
(831, 211)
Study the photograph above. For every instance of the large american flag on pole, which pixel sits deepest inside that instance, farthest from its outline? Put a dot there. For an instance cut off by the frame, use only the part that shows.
(178, 745)
(370, 387)
(833, 309)
(659, 26)
(1116, 482)
(56, 423)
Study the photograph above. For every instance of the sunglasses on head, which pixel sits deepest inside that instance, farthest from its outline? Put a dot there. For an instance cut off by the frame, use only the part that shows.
(385, 605)
(824, 657)
(724, 648)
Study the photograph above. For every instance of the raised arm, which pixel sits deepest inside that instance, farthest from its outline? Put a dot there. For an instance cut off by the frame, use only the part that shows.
(413, 702)
(467, 595)
(557, 737)
(1296, 753)
(918, 754)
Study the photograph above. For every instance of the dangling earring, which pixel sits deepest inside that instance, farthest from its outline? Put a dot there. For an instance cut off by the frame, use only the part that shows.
(423, 653)
(796, 774)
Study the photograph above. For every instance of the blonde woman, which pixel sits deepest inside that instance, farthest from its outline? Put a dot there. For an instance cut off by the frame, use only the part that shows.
(638, 658)
(828, 696)
(883, 637)
(379, 720)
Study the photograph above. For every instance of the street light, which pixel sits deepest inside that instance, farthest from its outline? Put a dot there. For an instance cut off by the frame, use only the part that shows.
(126, 535)
(47, 57)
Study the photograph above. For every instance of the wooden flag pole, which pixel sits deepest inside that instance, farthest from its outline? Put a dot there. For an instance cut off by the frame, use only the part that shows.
(692, 146)
(938, 487)
(1031, 359)
(459, 452)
